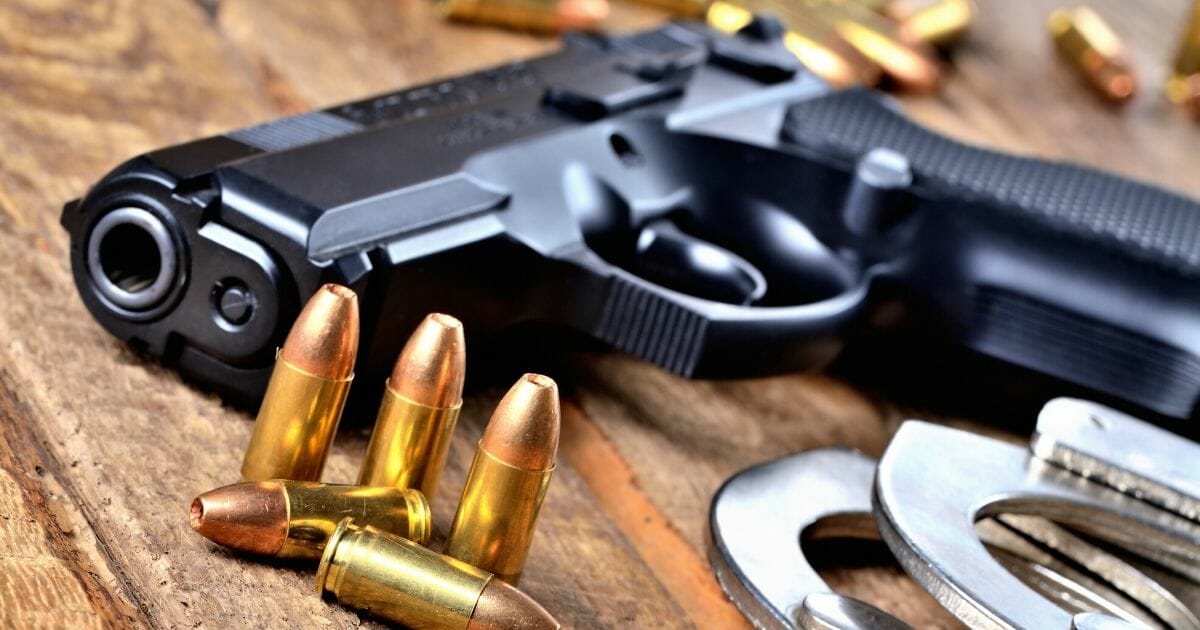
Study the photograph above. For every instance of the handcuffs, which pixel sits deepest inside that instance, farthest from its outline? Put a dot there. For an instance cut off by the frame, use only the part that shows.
(986, 527)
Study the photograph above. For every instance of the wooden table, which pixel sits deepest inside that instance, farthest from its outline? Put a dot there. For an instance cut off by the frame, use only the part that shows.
(101, 449)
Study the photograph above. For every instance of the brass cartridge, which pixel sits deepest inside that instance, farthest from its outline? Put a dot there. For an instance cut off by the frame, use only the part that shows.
(547, 16)
(1183, 87)
(294, 519)
(1193, 101)
(498, 511)
(303, 404)
(1085, 41)
(419, 410)
(816, 45)
(401, 581)
(680, 8)
(912, 64)
(878, 6)
(935, 22)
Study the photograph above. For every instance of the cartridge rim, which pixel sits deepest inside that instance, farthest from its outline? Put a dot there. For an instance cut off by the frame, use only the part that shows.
(331, 546)
(420, 528)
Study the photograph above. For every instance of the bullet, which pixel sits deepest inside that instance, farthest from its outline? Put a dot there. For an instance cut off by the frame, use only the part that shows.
(912, 64)
(1183, 87)
(401, 581)
(528, 15)
(878, 6)
(934, 22)
(294, 519)
(498, 511)
(303, 404)
(420, 408)
(1193, 95)
(680, 8)
(816, 45)
(1085, 41)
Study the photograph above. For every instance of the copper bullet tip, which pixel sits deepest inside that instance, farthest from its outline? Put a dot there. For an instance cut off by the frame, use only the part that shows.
(324, 339)
(580, 14)
(249, 517)
(502, 606)
(196, 514)
(523, 431)
(431, 367)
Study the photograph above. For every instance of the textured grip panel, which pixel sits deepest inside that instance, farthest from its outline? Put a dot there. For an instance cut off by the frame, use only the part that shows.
(1017, 328)
(1147, 223)
(648, 325)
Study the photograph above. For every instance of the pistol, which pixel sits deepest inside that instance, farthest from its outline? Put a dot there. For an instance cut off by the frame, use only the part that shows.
(698, 200)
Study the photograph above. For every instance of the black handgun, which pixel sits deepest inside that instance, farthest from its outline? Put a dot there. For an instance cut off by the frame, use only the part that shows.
(695, 199)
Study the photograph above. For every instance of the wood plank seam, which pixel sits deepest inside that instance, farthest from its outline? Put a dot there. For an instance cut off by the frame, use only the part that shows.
(674, 562)
(24, 453)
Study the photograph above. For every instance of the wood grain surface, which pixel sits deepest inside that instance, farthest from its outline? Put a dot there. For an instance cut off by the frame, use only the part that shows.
(101, 449)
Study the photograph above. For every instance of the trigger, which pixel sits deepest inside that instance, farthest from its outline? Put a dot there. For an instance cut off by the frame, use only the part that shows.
(669, 257)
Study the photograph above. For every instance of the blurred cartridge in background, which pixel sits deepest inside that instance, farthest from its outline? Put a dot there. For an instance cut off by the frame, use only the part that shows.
(935, 22)
(545, 16)
(816, 45)
(303, 404)
(682, 8)
(294, 519)
(1086, 42)
(1183, 86)
(912, 65)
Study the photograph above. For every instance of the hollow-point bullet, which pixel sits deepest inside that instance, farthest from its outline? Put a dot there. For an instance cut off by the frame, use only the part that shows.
(1085, 41)
(398, 580)
(419, 410)
(498, 511)
(294, 519)
(303, 404)
(528, 15)
(816, 45)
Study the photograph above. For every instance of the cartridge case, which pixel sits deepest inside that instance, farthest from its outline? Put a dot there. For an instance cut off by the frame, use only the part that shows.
(816, 45)
(409, 445)
(295, 426)
(878, 6)
(912, 65)
(304, 399)
(359, 569)
(1086, 42)
(1183, 86)
(398, 580)
(935, 22)
(680, 8)
(420, 407)
(1192, 85)
(294, 519)
(497, 516)
(528, 15)
(498, 511)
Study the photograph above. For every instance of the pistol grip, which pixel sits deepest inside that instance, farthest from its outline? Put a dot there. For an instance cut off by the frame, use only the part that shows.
(1067, 270)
